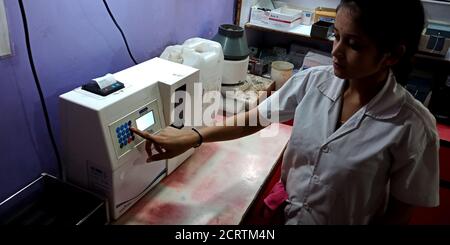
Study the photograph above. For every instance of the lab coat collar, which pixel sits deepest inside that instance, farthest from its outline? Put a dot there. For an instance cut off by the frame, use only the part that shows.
(386, 104)
(331, 89)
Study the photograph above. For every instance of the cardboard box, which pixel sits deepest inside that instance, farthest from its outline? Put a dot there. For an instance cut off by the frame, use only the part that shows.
(316, 58)
(247, 95)
(324, 14)
(285, 18)
(259, 16)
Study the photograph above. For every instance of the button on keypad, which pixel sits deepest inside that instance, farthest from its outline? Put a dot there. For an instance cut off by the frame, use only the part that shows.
(123, 134)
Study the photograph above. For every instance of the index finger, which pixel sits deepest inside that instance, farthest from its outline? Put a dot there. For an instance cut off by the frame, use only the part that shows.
(143, 134)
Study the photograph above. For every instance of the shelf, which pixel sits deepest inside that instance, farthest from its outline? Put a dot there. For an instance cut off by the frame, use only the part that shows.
(426, 56)
(302, 31)
(436, 2)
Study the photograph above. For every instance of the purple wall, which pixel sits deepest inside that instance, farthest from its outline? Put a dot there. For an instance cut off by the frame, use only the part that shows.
(72, 42)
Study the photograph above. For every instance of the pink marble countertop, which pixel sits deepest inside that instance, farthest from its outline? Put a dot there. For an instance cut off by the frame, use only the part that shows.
(216, 185)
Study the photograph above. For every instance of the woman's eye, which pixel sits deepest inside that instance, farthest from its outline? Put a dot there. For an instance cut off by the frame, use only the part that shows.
(354, 45)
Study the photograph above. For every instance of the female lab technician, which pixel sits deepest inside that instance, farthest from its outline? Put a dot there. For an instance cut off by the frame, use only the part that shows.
(362, 149)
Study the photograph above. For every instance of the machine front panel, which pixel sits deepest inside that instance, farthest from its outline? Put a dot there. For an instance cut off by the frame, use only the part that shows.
(146, 118)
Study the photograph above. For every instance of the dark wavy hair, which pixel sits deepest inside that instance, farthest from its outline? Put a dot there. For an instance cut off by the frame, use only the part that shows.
(391, 23)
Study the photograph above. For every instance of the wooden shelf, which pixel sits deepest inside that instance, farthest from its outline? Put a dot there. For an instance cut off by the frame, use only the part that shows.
(302, 31)
(434, 58)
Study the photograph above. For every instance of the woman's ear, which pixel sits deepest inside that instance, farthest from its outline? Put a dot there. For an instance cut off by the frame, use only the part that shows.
(392, 58)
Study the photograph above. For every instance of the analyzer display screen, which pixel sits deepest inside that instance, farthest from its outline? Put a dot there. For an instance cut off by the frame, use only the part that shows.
(145, 121)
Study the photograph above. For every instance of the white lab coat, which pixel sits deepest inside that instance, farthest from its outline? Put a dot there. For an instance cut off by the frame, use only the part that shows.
(343, 176)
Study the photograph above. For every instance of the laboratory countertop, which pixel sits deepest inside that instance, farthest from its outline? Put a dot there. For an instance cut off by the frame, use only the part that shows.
(216, 185)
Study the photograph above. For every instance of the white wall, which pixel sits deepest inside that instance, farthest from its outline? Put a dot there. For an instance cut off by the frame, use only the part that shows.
(312, 4)
(438, 11)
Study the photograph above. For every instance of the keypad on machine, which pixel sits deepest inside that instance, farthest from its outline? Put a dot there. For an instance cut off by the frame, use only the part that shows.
(124, 135)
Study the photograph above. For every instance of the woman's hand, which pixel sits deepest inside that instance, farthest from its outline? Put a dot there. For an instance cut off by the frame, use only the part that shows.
(170, 142)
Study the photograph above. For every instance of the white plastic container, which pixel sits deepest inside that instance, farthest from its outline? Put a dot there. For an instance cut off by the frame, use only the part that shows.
(281, 71)
(203, 54)
(235, 71)
(307, 17)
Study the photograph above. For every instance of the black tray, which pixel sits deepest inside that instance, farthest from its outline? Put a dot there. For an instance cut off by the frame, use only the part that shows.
(50, 201)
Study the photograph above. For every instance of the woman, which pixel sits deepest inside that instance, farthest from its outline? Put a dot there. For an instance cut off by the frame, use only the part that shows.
(362, 150)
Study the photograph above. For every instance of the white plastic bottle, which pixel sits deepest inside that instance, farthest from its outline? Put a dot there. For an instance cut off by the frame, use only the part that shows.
(207, 56)
(203, 54)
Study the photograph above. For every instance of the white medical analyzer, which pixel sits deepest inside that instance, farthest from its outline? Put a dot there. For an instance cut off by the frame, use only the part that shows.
(100, 153)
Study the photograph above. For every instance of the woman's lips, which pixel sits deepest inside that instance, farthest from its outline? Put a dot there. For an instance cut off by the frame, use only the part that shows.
(336, 65)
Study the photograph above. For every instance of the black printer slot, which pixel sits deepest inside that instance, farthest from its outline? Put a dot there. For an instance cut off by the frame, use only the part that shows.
(93, 87)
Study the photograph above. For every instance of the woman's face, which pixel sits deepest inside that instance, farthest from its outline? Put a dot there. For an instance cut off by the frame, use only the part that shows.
(355, 56)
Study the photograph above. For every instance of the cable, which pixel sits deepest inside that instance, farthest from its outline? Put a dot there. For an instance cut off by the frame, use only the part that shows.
(120, 30)
(38, 86)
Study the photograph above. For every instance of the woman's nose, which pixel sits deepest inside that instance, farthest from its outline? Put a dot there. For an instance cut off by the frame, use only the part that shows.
(337, 50)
